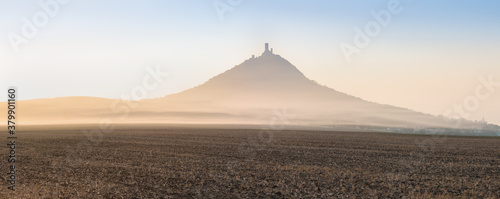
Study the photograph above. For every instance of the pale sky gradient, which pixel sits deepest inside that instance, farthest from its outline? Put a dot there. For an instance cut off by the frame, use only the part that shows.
(427, 59)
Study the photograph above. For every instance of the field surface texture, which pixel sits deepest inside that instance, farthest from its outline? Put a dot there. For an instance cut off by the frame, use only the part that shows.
(211, 163)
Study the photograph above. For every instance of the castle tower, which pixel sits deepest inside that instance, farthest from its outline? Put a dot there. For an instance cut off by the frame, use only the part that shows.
(267, 47)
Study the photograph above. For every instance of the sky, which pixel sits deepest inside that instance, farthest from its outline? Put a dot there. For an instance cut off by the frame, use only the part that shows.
(428, 56)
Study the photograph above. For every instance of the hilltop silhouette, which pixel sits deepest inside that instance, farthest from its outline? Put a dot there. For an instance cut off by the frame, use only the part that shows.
(248, 93)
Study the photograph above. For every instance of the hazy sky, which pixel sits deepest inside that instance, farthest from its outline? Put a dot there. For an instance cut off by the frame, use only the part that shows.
(428, 58)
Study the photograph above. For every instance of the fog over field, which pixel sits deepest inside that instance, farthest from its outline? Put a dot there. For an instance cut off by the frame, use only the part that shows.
(249, 93)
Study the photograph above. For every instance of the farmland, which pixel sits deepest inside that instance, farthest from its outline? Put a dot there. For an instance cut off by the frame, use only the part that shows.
(231, 163)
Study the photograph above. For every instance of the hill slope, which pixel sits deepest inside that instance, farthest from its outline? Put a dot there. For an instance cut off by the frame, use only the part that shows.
(254, 92)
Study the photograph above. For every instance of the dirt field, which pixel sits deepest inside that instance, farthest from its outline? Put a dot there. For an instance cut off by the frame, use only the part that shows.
(196, 163)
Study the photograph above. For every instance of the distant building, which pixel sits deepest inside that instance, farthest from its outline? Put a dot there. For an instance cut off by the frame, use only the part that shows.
(266, 50)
